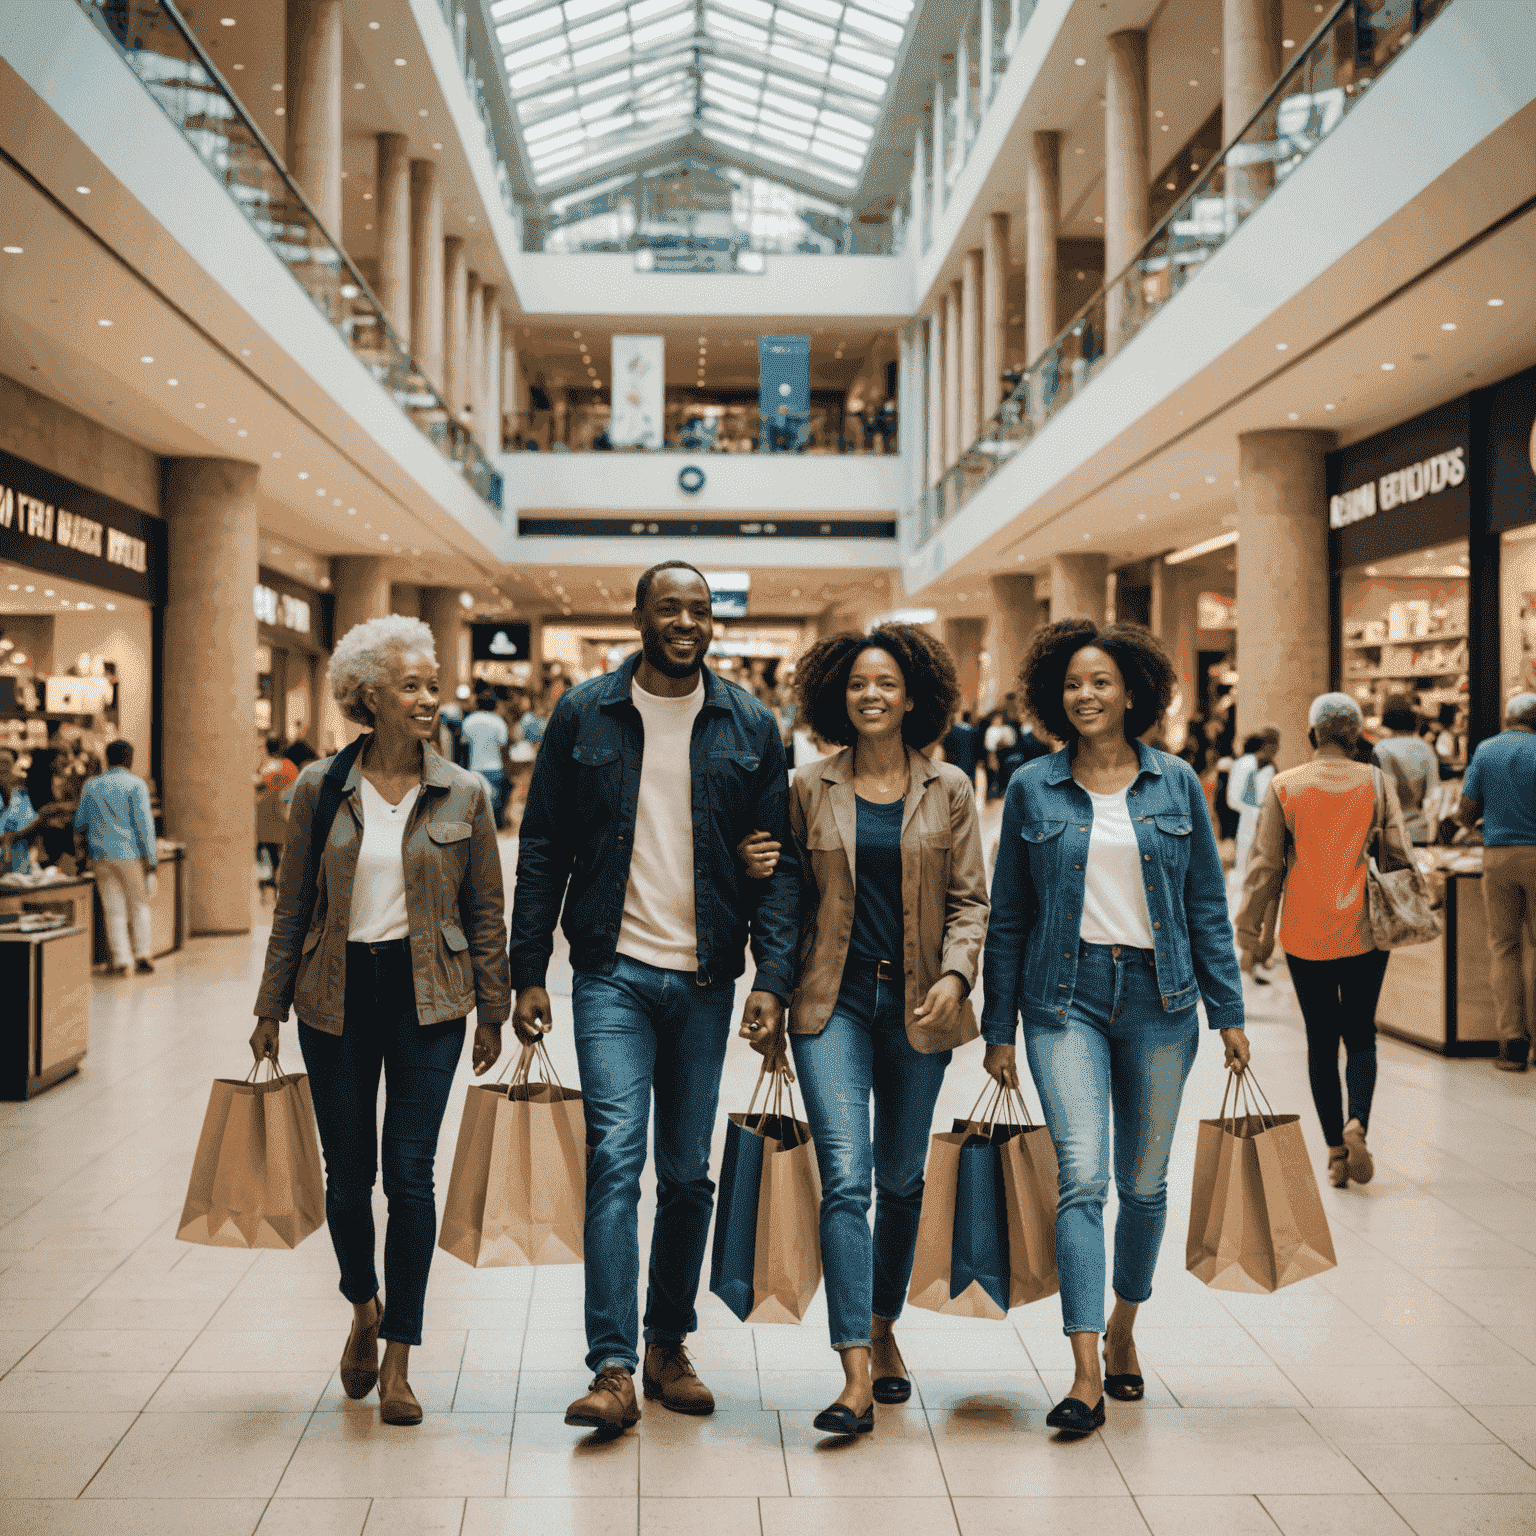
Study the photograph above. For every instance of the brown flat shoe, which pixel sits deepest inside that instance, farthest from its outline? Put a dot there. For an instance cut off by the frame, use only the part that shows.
(1338, 1167)
(400, 1406)
(1362, 1167)
(360, 1359)
(610, 1405)
(669, 1375)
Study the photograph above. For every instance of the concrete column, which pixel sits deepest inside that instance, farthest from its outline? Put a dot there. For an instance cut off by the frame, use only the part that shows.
(1282, 583)
(910, 413)
(964, 638)
(444, 616)
(455, 325)
(393, 190)
(1042, 223)
(1016, 615)
(490, 427)
(994, 305)
(1175, 620)
(935, 397)
(1077, 587)
(362, 590)
(474, 352)
(953, 447)
(970, 349)
(1251, 34)
(963, 93)
(919, 188)
(986, 55)
(312, 105)
(939, 188)
(427, 271)
(405, 597)
(1127, 171)
(209, 683)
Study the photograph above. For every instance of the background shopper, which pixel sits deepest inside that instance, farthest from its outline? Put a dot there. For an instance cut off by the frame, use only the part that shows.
(1247, 785)
(1311, 846)
(1500, 788)
(880, 1004)
(17, 817)
(488, 740)
(1410, 762)
(382, 973)
(1109, 919)
(119, 831)
(276, 775)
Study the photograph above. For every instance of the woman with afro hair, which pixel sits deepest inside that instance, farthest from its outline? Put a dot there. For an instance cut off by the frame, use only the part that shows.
(894, 914)
(1109, 921)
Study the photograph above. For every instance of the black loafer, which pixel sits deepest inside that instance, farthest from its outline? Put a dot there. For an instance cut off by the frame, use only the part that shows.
(841, 1420)
(892, 1389)
(1127, 1388)
(1075, 1417)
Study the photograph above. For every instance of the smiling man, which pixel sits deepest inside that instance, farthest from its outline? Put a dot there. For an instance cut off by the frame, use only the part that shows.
(645, 782)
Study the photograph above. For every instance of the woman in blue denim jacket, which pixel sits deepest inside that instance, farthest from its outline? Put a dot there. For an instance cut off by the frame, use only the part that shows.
(1109, 919)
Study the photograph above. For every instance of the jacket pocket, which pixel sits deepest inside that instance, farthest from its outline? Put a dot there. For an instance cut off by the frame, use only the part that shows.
(590, 755)
(1175, 824)
(448, 831)
(1041, 831)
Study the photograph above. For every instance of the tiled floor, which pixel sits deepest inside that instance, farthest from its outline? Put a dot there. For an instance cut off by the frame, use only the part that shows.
(160, 1388)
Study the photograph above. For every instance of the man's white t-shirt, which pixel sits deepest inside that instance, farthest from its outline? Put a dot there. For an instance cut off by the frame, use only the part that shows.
(658, 926)
(486, 734)
(1114, 891)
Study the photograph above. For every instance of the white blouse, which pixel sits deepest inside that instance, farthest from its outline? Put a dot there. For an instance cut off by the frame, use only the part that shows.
(378, 887)
(1114, 892)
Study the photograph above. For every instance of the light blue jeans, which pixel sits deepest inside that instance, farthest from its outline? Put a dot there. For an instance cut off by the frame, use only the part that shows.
(864, 1050)
(1118, 1059)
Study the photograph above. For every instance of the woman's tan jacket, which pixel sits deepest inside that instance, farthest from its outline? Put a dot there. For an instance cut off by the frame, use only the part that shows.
(453, 899)
(943, 889)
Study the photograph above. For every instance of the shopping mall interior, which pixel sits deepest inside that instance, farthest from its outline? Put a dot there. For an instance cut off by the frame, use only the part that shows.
(1212, 316)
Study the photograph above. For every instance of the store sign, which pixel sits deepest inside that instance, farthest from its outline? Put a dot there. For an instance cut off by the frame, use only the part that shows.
(500, 642)
(281, 611)
(1398, 487)
(51, 524)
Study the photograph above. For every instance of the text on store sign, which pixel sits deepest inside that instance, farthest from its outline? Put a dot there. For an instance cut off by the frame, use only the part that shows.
(1397, 487)
(38, 520)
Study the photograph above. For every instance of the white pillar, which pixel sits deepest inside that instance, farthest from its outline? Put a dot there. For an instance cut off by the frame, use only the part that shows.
(935, 396)
(491, 427)
(970, 349)
(938, 149)
(953, 446)
(986, 56)
(919, 201)
(994, 308)
(1126, 169)
(963, 94)
(1042, 219)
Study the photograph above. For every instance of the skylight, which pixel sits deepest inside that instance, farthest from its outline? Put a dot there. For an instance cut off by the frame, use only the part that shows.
(795, 83)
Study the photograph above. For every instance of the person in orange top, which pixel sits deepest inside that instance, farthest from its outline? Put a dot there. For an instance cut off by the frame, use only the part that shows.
(1311, 844)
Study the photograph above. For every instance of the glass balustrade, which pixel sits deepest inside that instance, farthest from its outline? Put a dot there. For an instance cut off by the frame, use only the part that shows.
(164, 52)
(692, 427)
(1356, 42)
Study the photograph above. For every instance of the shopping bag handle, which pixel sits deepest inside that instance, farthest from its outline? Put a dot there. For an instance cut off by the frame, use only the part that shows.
(274, 1069)
(522, 1068)
(1246, 1095)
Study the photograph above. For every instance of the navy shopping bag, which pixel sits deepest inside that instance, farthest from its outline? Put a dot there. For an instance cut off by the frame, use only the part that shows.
(979, 1246)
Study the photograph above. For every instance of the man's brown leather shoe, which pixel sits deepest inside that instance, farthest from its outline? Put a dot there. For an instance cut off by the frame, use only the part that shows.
(669, 1375)
(609, 1405)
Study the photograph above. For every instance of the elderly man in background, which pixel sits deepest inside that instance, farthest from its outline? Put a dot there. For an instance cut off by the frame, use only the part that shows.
(1500, 787)
(115, 820)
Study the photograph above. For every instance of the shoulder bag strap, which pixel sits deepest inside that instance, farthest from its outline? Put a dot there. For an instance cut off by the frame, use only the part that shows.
(332, 788)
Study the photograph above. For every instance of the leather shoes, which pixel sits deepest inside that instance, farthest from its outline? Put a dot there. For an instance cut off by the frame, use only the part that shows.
(360, 1359)
(400, 1405)
(669, 1375)
(892, 1389)
(841, 1420)
(610, 1405)
(1075, 1417)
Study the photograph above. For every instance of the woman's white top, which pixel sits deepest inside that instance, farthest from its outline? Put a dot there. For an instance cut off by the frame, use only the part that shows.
(378, 887)
(1114, 890)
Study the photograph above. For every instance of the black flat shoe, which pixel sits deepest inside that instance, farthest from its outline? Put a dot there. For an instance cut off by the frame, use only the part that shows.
(1075, 1417)
(840, 1420)
(892, 1389)
(1126, 1388)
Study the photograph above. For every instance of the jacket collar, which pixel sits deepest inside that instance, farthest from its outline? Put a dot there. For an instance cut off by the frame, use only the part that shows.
(1060, 770)
(617, 686)
(838, 769)
(435, 773)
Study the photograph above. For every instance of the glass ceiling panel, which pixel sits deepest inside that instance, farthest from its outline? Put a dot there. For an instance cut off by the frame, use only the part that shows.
(798, 83)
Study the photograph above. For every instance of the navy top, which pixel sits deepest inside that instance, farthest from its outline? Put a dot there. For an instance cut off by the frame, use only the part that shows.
(877, 927)
(1502, 779)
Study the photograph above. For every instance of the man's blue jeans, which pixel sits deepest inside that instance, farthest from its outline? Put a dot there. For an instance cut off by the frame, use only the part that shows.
(864, 1049)
(637, 1029)
(501, 792)
(1118, 1057)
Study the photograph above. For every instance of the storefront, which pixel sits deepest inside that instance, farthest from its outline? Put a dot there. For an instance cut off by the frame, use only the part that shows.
(293, 641)
(1432, 548)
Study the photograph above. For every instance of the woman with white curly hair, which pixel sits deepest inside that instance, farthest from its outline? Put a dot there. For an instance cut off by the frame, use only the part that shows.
(386, 933)
(1310, 842)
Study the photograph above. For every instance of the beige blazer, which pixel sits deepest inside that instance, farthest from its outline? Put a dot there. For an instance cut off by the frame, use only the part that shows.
(943, 889)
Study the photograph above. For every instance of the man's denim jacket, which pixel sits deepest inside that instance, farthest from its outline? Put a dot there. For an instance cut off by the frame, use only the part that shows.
(1030, 965)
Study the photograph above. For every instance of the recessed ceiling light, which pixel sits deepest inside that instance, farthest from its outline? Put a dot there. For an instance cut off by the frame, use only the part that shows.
(1329, 406)
(367, 525)
(245, 351)
(303, 474)
(1081, 152)
(150, 360)
(1194, 82)
(373, 26)
(1293, 416)
(83, 191)
(242, 433)
(281, 111)
(401, 63)
(384, 537)
(226, 21)
(1141, 517)
(230, 420)
(367, 197)
(237, 66)
(357, 85)
(437, 146)
(173, 382)
(1282, 346)
(16, 250)
(1448, 325)
(1495, 303)
(421, 112)
(200, 406)
(1287, 42)
(111, 607)
(99, 322)
(276, 454)
(1086, 537)
(351, 511)
(1079, 62)
(321, 491)
(47, 591)
(1173, 496)
(1388, 367)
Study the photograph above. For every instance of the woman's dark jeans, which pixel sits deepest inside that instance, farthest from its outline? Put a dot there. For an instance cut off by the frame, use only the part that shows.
(418, 1062)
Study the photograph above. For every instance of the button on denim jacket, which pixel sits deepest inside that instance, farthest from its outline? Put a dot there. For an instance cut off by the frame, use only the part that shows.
(1030, 965)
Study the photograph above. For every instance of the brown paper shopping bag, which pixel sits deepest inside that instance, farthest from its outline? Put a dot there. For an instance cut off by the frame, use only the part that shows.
(256, 1176)
(988, 1217)
(1256, 1219)
(518, 1190)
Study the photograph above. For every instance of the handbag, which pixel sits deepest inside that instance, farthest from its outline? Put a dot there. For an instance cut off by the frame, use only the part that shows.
(1399, 902)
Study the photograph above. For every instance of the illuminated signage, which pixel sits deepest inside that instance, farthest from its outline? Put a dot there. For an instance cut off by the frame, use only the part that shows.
(1398, 487)
(281, 611)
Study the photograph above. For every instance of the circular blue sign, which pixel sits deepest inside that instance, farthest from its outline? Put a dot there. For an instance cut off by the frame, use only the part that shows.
(690, 479)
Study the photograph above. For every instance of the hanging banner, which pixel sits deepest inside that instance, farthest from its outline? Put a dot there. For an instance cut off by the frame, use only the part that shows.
(638, 389)
(783, 390)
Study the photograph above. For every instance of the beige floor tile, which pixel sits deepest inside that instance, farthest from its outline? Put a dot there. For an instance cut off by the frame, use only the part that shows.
(434, 1391)
(1510, 1386)
(1445, 1469)
(551, 1391)
(1158, 1347)
(1515, 1426)
(497, 1349)
(807, 1391)
(1367, 1386)
(447, 1455)
(552, 1460)
(998, 1348)
(112, 1312)
(54, 1455)
(802, 1349)
(1451, 1514)
(486, 1392)
(1061, 1516)
(551, 1517)
(264, 1350)
(854, 1517)
(30, 1285)
(76, 1391)
(138, 1351)
(183, 1455)
(43, 1312)
(1238, 1450)
(177, 1285)
(1304, 1305)
(544, 1349)
(897, 1460)
(739, 1452)
(239, 1392)
(1222, 1514)
(1347, 1514)
(1231, 1386)
(1451, 1346)
(415, 1517)
(735, 1391)
(996, 1452)
(730, 1516)
(131, 1517)
(1354, 1345)
(314, 1517)
(1351, 1427)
